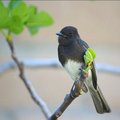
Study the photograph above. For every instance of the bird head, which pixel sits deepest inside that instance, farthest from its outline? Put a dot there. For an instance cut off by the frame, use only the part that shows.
(67, 35)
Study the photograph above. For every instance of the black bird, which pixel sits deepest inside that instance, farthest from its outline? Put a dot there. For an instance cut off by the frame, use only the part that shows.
(71, 50)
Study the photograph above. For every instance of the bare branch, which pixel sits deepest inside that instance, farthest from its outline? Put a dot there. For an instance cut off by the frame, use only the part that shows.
(75, 90)
(74, 93)
(37, 99)
(54, 63)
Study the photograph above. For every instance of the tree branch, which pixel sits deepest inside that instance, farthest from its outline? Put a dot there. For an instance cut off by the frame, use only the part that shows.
(37, 99)
(74, 93)
(54, 63)
(75, 90)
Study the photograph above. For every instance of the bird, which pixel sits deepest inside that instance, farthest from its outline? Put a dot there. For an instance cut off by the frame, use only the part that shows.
(71, 49)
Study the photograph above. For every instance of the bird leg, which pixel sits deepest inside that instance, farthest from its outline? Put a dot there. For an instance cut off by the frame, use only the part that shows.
(75, 90)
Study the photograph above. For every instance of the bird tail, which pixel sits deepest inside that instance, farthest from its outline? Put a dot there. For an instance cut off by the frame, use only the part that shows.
(99, 101)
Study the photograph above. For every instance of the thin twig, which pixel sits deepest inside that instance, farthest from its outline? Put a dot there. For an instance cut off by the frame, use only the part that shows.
(74, 93)
(37, 99)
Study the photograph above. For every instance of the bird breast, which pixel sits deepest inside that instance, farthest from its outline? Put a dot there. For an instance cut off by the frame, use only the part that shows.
(73, 68)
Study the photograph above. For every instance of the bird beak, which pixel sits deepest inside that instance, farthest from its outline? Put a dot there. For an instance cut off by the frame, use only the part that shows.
(60, 34)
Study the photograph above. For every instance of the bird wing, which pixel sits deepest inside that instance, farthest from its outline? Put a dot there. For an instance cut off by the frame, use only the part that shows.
(94, 76)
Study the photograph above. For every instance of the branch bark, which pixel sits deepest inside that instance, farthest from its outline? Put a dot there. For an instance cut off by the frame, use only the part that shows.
(74, 93)
(36, 98)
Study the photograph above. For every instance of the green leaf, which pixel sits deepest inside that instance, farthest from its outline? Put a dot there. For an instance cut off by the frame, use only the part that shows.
(18, 14)
(1, 4)
(4, 19)
(86, 70)
(92, 52)
(14, 3)
(40, 19)
(32, 10)
(16, 25)
(45, 19)
(89, 56)
(33, 30)
(21, 10)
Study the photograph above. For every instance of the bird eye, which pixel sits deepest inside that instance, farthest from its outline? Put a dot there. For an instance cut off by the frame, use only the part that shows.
(70, 34)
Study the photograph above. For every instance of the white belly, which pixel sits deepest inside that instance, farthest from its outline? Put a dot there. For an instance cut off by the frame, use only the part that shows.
(73, 68)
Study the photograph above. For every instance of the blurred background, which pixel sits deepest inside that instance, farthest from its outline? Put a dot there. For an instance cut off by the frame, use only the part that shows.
(98, 23)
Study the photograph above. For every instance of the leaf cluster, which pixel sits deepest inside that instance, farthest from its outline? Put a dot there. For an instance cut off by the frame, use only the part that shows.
(18, 15)
(89, 56)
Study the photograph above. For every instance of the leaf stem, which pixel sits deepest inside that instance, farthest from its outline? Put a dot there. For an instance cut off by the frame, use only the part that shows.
(9, 37)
